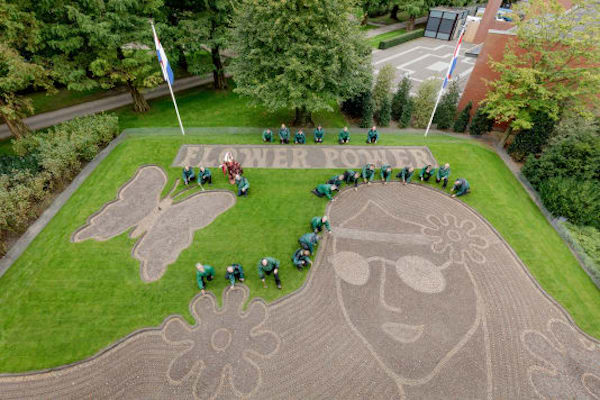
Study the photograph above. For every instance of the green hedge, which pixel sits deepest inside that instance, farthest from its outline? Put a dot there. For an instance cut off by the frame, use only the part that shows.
(386, 44)
(49, 159)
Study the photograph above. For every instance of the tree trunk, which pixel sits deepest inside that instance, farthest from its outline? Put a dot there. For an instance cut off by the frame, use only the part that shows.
(394, 12)
(364, 19)
(411, 23)
(507, 134)
(17, 127)
(219, 81)
(139, 102)
(303, 117)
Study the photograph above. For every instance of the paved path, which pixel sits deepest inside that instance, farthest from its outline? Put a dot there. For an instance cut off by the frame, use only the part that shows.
(414, 295)
(45, 120)
(393, 27)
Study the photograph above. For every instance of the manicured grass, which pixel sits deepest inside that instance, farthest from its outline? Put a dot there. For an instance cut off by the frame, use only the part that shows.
(62, 302)
(374, 41)
(368, 27)
(204, 107)
(65, 98)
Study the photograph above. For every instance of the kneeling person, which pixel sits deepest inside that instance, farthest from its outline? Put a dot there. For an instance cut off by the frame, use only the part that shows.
(426, 172)
(351, 177)
(406, 174)
(267, 136)
(443, 173)
(299, 137)
(242, 184)
(372, 135)
(301, 259)
(344, 136)
(233, 272)
(336, 180)
(308, 241)
(325, 190)
(267, 266)
(461, 186)
(385, 173)
(319, 134)
(317, 224)
(188, 175)
(368, 173)
(284, 134)
(204, 272)
(205, 176)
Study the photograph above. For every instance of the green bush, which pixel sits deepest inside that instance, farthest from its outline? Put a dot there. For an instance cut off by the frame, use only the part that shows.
(481, 123)
(578, 201)
(385, 114)
(461, 123)
(406, 116)
(588, 238)
(424, 102)
(10, 163)
(531, 141)
(382, 88)
(368, 105)
(353, 107)
(386, 44)
(401, 98)
(446, 111)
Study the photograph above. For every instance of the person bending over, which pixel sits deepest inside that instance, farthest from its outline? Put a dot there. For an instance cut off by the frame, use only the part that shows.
(319, 134)
(344, 136)
(188, 175)
(267, 136)
(461, 186)
(325, 190)
(284, 134)
(443, 173)
(308, 241)
(352, 177)
(372, 135)
(204, 272)
(268, 266)
(368, 173)
(242, 184)
(205, 176)
(426, 172)
(336, 180)
(385, 173)
(233, 272)
(299, 137)
(317, 224)
(406, 174)
(301, 259)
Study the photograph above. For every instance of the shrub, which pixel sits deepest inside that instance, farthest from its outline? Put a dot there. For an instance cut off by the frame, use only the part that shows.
(578, 201)
(367, 111)
(424, 102)
(531, 141)
(481, 123)
(383, 87)
(353, 107)
(385, 114)
(405, 118)
(461, 123)
(10, 163)
(588, 238)
(446, 111)
(386, 44)
(401, 98)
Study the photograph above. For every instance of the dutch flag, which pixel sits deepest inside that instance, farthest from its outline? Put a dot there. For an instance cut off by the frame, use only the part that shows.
(162, 60)
(454, 59)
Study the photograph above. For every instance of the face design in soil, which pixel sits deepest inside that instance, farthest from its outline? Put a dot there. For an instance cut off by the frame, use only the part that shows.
(398, 296)
(164, 227)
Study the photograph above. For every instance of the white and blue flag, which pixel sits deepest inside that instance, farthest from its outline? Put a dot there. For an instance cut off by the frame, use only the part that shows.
(163, 60)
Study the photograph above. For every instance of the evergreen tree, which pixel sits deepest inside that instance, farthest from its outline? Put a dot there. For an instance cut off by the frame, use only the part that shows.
(481, 122)
(446, 111)
(385, 113)
(383, 87)
(461, 123)
(301, 54)
(367, 110)
(401, 97)
(424, 102)
(406, 116)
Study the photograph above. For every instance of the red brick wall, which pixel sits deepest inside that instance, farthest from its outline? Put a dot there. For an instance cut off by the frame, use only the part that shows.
(488, 20)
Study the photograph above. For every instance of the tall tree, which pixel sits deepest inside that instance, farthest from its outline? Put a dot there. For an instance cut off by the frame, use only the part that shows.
(553, 66)
(202, 26)
(413, 9)
(101, 43)
(301, 54)
(19, 38)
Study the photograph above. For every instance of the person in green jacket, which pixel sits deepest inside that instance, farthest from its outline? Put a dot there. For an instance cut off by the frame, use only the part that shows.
(299, 137)
(461, 186)
(336, 180)
(284, 134)
(351, 176)
(204, 176)
(233, 272)
(406, 174)
(188, 174)
(266, 266)
(204, 272)
(344, 136)
(385, 173)
(319, 134)
(443, 173)
(301, 259)
(324, 190)
(368, 173)
(267, 136)
(308, 241)
(426, 172)
(242, 184)
(317, 224)
(372, 135)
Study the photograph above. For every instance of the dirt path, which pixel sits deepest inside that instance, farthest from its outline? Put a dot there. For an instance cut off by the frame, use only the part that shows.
(413, 296)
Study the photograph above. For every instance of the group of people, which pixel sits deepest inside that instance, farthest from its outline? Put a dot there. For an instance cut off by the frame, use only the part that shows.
(269, 265)
(367, 175)
(231, 169)
(318, 135)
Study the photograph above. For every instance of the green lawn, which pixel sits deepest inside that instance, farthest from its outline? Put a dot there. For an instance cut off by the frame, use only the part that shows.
(375, 40)
(204, 107)
(65, 98)
(62, 302)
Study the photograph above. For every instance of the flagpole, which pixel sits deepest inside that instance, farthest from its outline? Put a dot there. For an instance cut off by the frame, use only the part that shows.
(437, 101)
(162, 67)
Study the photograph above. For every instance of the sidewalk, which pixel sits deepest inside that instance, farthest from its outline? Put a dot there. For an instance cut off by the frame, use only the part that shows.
(45, 120)
(393, 27)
